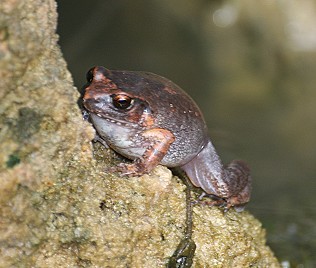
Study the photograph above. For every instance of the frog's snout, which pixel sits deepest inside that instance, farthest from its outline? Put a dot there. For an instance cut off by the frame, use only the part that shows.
(96, 103)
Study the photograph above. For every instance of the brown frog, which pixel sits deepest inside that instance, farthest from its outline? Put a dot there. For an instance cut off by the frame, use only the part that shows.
(150, 120)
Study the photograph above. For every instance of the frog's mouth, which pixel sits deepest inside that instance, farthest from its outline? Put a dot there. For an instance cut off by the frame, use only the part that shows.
(110, 119)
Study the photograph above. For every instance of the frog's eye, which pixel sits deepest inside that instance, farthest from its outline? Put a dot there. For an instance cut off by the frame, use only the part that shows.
(122, 102)
(89, 75)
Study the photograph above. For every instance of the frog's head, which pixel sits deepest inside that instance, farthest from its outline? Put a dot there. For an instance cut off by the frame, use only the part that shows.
(104, 98)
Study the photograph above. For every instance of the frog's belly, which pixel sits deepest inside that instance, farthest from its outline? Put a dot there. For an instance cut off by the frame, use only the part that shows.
(120, 138)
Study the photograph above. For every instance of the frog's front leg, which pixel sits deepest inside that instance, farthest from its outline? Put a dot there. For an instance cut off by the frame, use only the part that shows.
(157, 143)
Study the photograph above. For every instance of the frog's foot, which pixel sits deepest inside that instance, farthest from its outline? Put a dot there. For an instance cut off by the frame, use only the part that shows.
(237, 202)
(212, 200)
(130, 170)
(221, 203)
(240, 199)
(97, 138)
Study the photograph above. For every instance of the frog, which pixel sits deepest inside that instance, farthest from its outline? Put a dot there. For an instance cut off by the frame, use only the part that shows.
(150, 120)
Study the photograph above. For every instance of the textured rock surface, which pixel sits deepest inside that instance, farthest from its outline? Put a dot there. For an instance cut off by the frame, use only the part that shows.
(58, 208)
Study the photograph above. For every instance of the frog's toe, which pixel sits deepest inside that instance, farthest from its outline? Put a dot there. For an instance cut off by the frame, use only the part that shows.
(129, 170)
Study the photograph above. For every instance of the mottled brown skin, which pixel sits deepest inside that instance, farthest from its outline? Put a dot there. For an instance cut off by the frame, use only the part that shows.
(152, 121)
